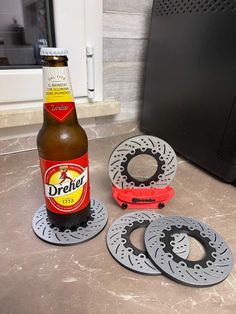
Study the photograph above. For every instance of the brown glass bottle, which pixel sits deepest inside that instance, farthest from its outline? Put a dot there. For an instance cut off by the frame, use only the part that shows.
(62, 146)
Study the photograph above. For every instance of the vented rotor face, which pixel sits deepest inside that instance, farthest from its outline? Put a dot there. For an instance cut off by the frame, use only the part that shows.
(213, 268)
(95, 224)
(124, 252)
(161, 151)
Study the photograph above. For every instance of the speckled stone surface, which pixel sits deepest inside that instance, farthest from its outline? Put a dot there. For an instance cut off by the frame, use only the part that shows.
(36, 277)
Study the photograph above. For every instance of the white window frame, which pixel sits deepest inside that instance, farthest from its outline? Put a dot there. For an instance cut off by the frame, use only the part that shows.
(78, 24)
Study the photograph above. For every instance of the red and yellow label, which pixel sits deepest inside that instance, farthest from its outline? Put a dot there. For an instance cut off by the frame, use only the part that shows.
(58, 99)
(66, 184)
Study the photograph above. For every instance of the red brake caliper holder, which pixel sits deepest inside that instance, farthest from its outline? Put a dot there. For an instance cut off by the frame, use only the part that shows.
(142, 198)
(153, 193)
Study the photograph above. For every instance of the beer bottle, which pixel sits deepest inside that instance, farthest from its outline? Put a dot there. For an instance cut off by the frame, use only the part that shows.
(62, 146)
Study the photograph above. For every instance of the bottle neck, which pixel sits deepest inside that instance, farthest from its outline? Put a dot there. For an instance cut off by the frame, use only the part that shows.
(59, 104)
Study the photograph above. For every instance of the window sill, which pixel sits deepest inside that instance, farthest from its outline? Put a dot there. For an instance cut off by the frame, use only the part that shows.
(30, 116)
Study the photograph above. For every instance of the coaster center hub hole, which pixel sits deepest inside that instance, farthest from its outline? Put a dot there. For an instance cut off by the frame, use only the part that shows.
(137, 238)
(142, 167)
(197, 251)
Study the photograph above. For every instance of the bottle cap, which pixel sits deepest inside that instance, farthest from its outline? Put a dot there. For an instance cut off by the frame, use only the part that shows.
(48, 51)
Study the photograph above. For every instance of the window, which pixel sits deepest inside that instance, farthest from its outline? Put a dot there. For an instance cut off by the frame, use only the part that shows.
(26, 25)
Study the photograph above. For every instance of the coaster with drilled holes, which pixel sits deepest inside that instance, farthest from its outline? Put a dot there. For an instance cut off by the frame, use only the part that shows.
(155, 147)
(213, 268)
(123, 251)
(95, 224)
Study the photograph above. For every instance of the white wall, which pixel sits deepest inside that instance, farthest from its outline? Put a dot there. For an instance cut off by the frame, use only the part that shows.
(126, 26)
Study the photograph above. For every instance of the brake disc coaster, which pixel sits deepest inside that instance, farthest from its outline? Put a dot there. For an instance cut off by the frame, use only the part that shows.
(124, 252)
(161, 151)
(213, 268)
(95, 224)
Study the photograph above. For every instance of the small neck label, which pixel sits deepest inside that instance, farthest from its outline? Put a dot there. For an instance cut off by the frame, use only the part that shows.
(58, 99)
(59, 111)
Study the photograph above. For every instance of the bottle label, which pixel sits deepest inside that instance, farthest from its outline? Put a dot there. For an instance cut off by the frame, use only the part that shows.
(58, 99)
(66, 184)
(59, 111)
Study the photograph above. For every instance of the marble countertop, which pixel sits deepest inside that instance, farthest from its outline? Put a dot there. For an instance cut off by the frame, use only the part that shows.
(36, 277)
